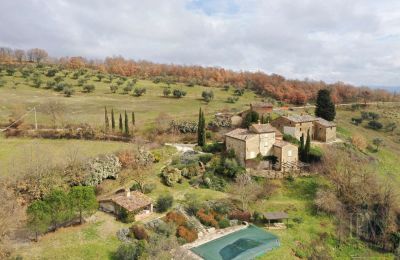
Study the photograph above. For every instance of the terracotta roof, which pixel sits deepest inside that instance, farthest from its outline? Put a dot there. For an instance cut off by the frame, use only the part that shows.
(276, 215)
(241, 134)
(324, 122)
(301, 118)
(280, 143)
(264, 128)
(135, 201)
(261, 105)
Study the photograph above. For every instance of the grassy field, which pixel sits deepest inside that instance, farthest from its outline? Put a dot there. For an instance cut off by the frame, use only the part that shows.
(16, 152)
(384, 161)
(17, 95)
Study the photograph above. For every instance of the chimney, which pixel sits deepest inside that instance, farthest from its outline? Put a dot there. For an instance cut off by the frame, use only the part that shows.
(127, 193)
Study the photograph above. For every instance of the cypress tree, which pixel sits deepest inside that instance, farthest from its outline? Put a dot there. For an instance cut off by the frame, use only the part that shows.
(120, 123)
(107, 123)
(126, 124)
(112, 120)
(307, 148)
(133, 118)
(325, 107)
(201, 137)
(301, 148)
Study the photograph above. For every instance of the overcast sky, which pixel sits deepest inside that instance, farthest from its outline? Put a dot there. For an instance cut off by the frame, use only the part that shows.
(356, 41)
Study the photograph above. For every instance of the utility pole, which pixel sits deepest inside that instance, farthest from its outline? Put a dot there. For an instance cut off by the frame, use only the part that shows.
(36, 127)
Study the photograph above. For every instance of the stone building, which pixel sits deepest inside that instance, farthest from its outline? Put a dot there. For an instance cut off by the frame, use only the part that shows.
(298, 125)
(133, 202)
(261, 139)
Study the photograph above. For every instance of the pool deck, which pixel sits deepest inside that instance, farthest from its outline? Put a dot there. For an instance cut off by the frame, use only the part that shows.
(212, 235)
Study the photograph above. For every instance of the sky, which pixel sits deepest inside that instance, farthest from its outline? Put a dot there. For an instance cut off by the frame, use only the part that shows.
(354, 41)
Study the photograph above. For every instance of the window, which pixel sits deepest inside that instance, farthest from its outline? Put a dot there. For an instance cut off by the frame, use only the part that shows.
(289, 153)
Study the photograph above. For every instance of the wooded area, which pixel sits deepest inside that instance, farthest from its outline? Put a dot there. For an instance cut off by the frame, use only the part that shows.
(275, 86)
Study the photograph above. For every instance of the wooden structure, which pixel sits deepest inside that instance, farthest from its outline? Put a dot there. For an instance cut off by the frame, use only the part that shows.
(277, 217)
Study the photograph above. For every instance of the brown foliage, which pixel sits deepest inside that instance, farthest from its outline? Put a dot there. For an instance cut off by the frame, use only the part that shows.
(139, 232)
(176, 218)
(359, 142)
(207, 219)
(126, 157)
(189, 235)
(240, 215)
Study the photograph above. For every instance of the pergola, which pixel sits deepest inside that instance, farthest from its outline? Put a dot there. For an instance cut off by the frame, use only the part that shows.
(276, 216)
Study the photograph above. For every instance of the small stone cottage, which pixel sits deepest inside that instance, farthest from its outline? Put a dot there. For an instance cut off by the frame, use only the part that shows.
(133, 202)
(298, 125)
(261, 139)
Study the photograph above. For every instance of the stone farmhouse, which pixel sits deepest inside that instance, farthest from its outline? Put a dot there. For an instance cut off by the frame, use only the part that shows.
(297, 125)
(133, 202)
(261, 139)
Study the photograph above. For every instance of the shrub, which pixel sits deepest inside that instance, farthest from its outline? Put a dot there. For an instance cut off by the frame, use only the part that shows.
(171, 175)
(166, 92)
(139, 232)
(131, 250)
(88, 88)
(125, 216)
(224, 223)
(232, 100)
(290, 139)
(214, 147)
(164, 202)
(68, 91)
(51, 72)
(126, 158)
(205, 157)
(189, 235)
(176, 218)
(127, 89)
(59, 86)
(206, 219)
(207, 95)
(184, 127)
(139, 92)
(250, 118)
(81, 82)
(100, 168)
(178, 93)
(165, 229)
(113, 88)
(375, 125)
(356, 120)
(50, 84)
(238, 92)
(359, 142)
(240, 215)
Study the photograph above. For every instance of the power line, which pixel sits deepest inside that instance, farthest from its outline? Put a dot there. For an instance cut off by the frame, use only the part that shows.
(19, 119)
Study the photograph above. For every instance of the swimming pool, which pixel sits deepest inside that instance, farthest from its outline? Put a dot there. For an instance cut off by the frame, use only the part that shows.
(246, 244)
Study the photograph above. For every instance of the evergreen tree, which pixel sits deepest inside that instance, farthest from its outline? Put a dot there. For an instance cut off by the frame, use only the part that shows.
(301, 148)
(325, 107)
(126, 124)
(201, 135)
(38, 217)
(307, 148)
(83, 199)
(112, 120)
(107, 123)
(60, 209)
(120, 123)
(133, 118)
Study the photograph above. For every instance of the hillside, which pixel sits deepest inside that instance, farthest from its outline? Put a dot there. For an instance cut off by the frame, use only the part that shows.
(311, 233)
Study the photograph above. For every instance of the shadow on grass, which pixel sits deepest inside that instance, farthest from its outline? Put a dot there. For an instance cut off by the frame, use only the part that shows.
(303, 189)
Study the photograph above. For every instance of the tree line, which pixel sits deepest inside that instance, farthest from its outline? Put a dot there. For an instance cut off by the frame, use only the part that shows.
(123, 124)
(60, 207)
(276, 86)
